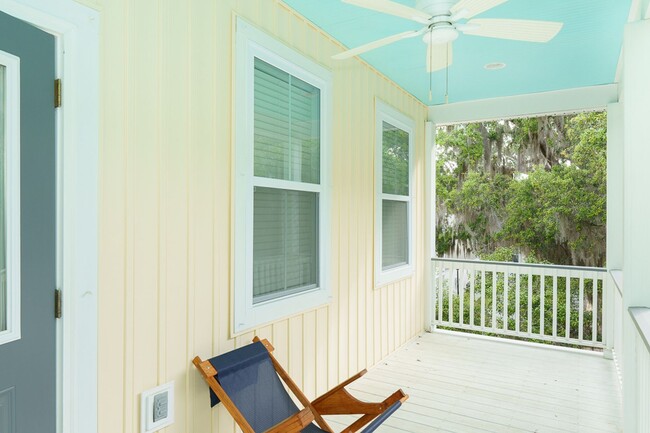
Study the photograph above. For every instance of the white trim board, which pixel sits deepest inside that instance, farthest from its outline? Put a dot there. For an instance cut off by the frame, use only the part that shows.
(11, 203)
(76, 28)
(536, 104)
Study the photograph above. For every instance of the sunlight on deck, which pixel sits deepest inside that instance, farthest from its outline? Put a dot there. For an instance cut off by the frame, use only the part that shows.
(459, 384)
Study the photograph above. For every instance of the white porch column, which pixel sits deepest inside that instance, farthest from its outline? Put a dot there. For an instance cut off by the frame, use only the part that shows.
(636, 236)
(615, 224)
(429, 220)
(615, 174)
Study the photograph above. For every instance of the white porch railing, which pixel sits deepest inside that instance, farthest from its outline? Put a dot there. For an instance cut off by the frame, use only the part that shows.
(641, 318)
(616, 314)
(558, 304)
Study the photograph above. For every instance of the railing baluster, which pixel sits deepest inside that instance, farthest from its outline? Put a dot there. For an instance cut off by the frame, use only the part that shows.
(530, 302)
(434, 285)
(440, 292)
(594, 310)
(517, 297)
(542, 283)
(555, 303)
(451, 294)
(436, 290)
(568, 308)
(460, 279)
(494, 299)
(471, 295)
(506, 283)
(581, 306)
(482, 298)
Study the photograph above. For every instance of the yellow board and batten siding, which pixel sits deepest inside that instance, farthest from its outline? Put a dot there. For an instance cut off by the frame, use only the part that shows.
(166, 219)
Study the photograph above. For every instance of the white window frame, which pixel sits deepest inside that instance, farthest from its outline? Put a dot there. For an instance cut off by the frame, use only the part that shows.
(386, 113)
(12, 195)
(252, 43)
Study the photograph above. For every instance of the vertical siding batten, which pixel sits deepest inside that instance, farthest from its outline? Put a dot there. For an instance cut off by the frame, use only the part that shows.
(144, 199)
(129, 292)
(112, 237)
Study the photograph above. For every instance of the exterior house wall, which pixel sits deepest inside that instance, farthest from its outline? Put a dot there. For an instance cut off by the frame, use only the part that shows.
(166, 219)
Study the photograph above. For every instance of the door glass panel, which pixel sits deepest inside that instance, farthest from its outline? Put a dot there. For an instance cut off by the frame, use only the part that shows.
(3, 261)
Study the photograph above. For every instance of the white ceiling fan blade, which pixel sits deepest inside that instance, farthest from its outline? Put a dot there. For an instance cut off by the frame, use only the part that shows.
(439, 56)
(475, 7)
(467, 27)
(392, 8)
(378, 43)
(517, 30)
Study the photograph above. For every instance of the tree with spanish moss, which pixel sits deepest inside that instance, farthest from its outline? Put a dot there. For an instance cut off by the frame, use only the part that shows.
(536, 186)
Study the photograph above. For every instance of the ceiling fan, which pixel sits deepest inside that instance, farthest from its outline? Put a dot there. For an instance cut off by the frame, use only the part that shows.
(442, 26)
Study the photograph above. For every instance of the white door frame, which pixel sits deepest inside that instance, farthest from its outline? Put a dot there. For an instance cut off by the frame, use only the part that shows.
(76, 29)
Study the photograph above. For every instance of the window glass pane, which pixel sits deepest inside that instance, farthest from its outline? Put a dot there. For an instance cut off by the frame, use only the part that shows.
(394, 240)
(285, 243)
(395, 160)
(3, 261)
(286, 126)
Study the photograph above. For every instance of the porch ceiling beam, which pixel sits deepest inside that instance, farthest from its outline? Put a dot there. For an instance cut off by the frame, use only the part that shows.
(536, 104)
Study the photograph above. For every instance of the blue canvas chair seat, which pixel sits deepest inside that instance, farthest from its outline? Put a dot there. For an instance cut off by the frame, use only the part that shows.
(248, 382)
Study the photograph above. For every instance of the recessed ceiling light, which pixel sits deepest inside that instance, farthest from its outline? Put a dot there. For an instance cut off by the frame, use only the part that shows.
(494, 66)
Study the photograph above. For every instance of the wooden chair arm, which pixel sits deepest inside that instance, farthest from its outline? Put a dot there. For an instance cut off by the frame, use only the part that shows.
(295, 423)
(365, 419)
(339, 387)
(339, 401)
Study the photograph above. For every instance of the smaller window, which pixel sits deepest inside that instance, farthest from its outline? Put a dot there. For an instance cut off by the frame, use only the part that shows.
(394, 195)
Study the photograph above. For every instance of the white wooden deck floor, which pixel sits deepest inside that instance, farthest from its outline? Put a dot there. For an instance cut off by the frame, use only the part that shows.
(459, 384)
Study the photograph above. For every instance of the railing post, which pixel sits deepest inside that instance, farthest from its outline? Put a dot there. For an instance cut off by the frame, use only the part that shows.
(430, 298)
(608, 317)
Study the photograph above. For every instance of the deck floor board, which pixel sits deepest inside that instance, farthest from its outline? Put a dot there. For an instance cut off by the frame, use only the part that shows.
(461, 384)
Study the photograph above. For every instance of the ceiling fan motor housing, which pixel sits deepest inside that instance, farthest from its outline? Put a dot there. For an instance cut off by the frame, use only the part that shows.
(440, 35)
(435, 7)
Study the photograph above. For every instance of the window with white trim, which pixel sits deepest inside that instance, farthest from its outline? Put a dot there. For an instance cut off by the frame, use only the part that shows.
(394, 195)
(283, 105)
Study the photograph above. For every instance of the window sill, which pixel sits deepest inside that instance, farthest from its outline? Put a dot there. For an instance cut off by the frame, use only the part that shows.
(394, 276)
(257, 316)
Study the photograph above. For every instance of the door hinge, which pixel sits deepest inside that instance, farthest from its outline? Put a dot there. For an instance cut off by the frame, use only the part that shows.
(57, 93)
(58, 304)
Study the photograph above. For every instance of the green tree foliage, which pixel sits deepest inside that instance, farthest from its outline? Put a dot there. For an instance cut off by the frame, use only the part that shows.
(536, 186)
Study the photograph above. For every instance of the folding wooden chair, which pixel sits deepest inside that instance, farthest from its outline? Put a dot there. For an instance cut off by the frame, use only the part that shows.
(246, 381)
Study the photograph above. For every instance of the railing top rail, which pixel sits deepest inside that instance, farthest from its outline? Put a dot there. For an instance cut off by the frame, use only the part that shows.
(523, 265)
(641, 317)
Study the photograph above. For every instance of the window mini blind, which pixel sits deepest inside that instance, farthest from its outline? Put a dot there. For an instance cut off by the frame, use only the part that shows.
(286, 214)
(395, 182)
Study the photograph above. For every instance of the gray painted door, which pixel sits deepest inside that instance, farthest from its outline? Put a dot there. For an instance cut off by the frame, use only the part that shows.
(27, 365)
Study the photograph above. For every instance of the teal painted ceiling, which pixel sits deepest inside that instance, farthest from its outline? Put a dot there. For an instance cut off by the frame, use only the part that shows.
(584, 53)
